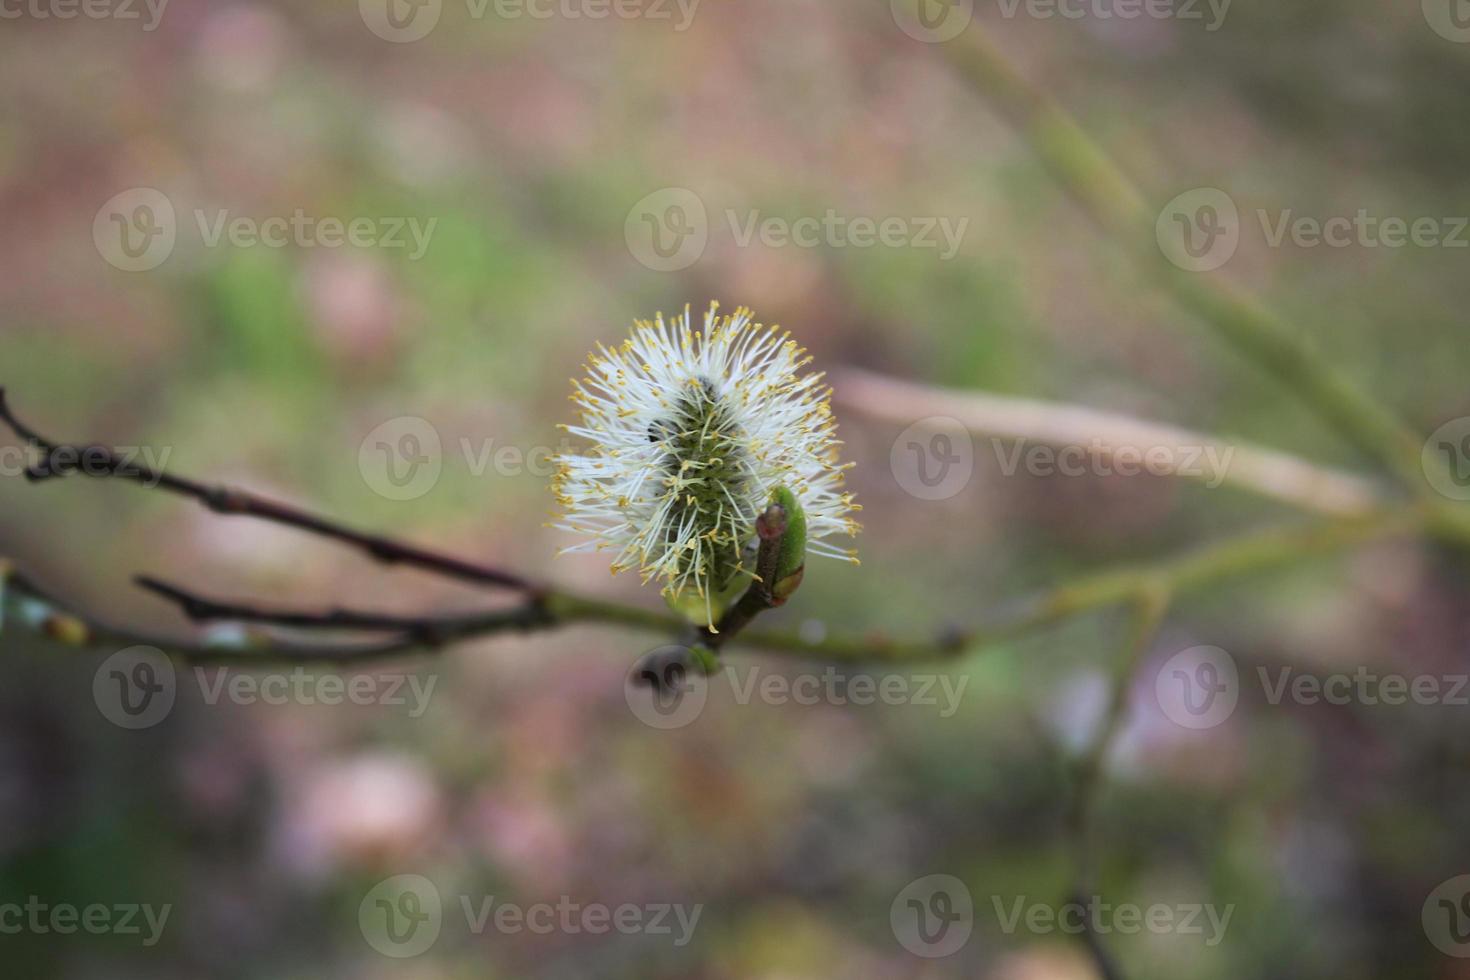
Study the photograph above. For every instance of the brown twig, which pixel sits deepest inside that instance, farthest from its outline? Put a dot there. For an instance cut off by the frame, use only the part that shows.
(1150, 604)
(431, 631)
(50, 617)
(62, 459)
(770, 530)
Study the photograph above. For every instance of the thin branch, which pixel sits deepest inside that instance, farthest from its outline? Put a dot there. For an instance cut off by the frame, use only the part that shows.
(1115, 203)
(61, 459)
(558, 609)
(431, 631)
(26, 604)
(770, 530)
(1146, 615)
(1103, 435)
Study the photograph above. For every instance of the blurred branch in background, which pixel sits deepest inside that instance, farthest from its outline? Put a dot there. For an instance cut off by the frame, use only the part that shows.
(1146, 616)
(1117, 205)
(1269, 340)
(1267, 472)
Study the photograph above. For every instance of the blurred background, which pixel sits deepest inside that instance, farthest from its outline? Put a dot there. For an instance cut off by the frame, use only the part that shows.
(348, 255)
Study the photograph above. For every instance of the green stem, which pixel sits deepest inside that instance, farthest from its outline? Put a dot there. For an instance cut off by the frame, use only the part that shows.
(1115, 203)
(1147, 615)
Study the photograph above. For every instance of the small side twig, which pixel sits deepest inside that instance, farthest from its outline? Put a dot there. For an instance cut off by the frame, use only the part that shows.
(63, 459)
(770, 531)
(431, 631)
(37, 610)
(664, 669)
(1150, 603)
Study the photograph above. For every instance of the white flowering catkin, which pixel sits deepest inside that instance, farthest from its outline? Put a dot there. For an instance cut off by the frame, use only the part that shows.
(691, 432)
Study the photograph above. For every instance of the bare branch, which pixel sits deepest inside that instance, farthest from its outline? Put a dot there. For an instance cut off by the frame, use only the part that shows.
(60, 459)
(35, 609)
(431, 631)
(1083, 168)
(1268, 472)
(1146, 615)
(770, 530)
